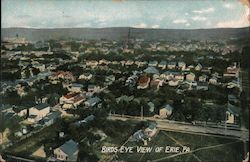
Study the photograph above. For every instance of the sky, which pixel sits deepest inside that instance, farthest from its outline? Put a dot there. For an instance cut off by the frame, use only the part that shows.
(172, 14)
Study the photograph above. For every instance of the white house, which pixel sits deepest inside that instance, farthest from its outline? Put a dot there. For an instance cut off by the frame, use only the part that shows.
(203, 78)
(190, 77)
(75, 87)
(85, 76)
(213, 80)
(198, 67)
(166, 111)
(38, 112)
(67, 152)
(182, 65)
(171, 65)
(162, 64)
(232, 114)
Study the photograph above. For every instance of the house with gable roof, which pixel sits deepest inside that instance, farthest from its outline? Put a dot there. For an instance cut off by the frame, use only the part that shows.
(67, 152)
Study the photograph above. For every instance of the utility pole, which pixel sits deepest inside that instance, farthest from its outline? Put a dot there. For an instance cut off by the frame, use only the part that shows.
(141, 112)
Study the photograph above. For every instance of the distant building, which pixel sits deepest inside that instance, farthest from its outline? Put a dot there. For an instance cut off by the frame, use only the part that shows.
(143, 82)
(85, 76)
(75, 87)
(171, 65)
(92, 101)
(190, 77)
(162, 64)
(153, 63)
(232, 114)
(198, 67)
(67, 152)
(166, 111)
(151, 70)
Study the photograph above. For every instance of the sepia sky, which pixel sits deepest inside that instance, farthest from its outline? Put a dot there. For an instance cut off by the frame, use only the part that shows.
(182, 14)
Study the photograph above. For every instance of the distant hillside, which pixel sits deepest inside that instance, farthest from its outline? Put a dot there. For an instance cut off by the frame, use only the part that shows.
(121, 33)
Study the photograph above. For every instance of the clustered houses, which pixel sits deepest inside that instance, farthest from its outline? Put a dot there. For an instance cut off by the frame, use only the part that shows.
(175, 74)
(67, 76)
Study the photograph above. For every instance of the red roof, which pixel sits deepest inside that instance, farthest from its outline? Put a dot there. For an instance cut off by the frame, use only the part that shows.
(70, 95)
(143, 79)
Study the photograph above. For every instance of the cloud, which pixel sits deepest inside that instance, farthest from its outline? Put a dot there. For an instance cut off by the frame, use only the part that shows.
(155, 26)
(180, 21)
(201, 11)
(141, 25)
(199, 18)
(242, 22)
(187, 24)
(228, 6)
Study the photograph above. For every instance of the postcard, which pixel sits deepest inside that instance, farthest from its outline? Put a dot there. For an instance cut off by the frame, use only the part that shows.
(124, 80)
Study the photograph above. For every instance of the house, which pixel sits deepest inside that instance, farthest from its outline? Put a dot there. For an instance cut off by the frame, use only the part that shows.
(92, 63)
(198, 67)
(206, 70)
(232, 71)
(51, 118)
(153, 63)
(85, 76)
(202, 86)
(67, 98)
(151, 106)
(67, 152)
(72, 100)
(203, 78)
(167, 75)
(93, 88)
(213, 80)
(21, 112)
(162, 64)
(151, 70)
(190, 77)
(92, 101)
(132, 80)
(151, 130)
(181, 65)
(143, 82)
(178, 76)
(173, 82)
(232, 114)
(166, 111)
(75, 87)
(156, 83)
(38, 112)
(85, 120)
(62, 75)
(171, 65)
(140, 136)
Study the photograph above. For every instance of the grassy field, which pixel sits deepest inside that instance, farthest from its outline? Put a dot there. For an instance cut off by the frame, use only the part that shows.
(202, 148)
